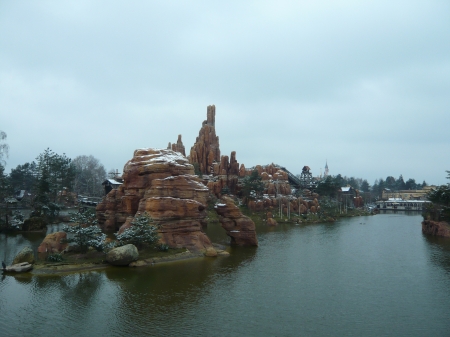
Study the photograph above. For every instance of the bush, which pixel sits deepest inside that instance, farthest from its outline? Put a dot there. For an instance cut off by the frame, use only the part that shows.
(162, 247)
(85, 232)
(55, 257)
(140, 232)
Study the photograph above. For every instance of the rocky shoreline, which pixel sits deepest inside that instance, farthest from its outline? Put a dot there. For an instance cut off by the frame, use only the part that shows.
(437, 228)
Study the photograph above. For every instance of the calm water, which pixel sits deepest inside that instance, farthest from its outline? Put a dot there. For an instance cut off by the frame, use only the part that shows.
(368, 276)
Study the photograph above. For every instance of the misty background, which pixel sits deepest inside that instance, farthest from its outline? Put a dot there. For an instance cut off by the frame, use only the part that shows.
(364, 86)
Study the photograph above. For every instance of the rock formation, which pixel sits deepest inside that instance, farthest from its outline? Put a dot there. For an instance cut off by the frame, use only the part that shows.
(25, 255)
(34, 224)
(437, 228)
(53, 243)
(240, 228)
(122, 256)
(206, 154)
(19, 267)
(178, 146)
(161, 183)
(206, 149)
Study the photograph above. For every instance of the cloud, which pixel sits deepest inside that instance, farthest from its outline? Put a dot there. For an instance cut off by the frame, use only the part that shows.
(293, 82)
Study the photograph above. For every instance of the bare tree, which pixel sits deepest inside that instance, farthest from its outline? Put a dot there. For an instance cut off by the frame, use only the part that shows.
(90, 174)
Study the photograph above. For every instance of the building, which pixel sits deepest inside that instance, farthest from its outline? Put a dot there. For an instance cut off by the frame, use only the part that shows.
(407, 194)
(111, 184)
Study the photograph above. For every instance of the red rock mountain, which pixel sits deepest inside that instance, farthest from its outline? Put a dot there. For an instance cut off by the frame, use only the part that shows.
(161, 183)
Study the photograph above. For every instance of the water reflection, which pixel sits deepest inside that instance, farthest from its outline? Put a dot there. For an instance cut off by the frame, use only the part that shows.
(361, 276)
(169, 293)
(12, 243)
(439, 251)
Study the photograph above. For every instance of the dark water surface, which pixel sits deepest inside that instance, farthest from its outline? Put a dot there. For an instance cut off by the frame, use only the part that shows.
(367, 276)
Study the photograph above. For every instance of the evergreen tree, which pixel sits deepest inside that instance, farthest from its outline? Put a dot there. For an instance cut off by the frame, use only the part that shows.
(328, 187)
(400, 183)
(53, 173)
(390, 183)
(85, 232)
(252, 185)
(410, 184)
(365, 187)
(339, 181)
(5, 192)
(354, 183)
(141, 232)
(4, 147)
(23, 177)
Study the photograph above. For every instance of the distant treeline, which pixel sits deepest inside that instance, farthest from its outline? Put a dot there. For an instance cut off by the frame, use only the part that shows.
(330, 185)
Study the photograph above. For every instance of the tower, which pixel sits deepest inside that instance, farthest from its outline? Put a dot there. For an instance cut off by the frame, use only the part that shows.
(326, 169)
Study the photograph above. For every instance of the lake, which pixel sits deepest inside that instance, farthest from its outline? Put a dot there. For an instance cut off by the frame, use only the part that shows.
(362, 276)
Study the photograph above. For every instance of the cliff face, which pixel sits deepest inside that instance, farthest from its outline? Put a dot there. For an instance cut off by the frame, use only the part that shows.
(161, 183)
(436, 228)
(240, 228)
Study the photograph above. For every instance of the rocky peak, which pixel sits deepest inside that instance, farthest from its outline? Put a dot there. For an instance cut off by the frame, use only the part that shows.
(161, 183)
(178, 146)
(211, 115)
(206, 149)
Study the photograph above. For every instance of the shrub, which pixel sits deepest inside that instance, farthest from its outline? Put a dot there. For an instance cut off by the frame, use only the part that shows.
(55, 257)
(140, 232)
(85, 232)
(162, 247)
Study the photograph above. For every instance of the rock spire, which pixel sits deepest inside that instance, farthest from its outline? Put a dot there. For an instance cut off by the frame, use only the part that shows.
(206, 149)
(178, 146)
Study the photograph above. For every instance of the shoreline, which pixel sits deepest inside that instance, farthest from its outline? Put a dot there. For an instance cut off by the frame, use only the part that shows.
(68, 268)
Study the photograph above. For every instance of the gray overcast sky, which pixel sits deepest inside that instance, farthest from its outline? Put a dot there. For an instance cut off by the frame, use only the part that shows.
(362, 84)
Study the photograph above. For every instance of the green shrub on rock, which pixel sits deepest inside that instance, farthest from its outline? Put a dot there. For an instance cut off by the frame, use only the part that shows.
(85, 232)
(141, 232)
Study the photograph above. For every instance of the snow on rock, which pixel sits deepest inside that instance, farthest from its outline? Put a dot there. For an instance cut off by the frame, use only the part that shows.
(160, 182)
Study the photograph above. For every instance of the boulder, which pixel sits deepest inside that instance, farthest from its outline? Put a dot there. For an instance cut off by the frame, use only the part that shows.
(210, 252)
(25, 255)
(19, 267)
(53, 243)
(271, 222)
(122, 256)
(35, 223)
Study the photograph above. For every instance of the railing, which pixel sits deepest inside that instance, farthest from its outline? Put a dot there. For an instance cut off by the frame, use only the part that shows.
(293, 180)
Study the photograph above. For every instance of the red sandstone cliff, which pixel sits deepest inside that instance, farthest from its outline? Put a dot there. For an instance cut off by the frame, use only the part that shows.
(161, 183)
